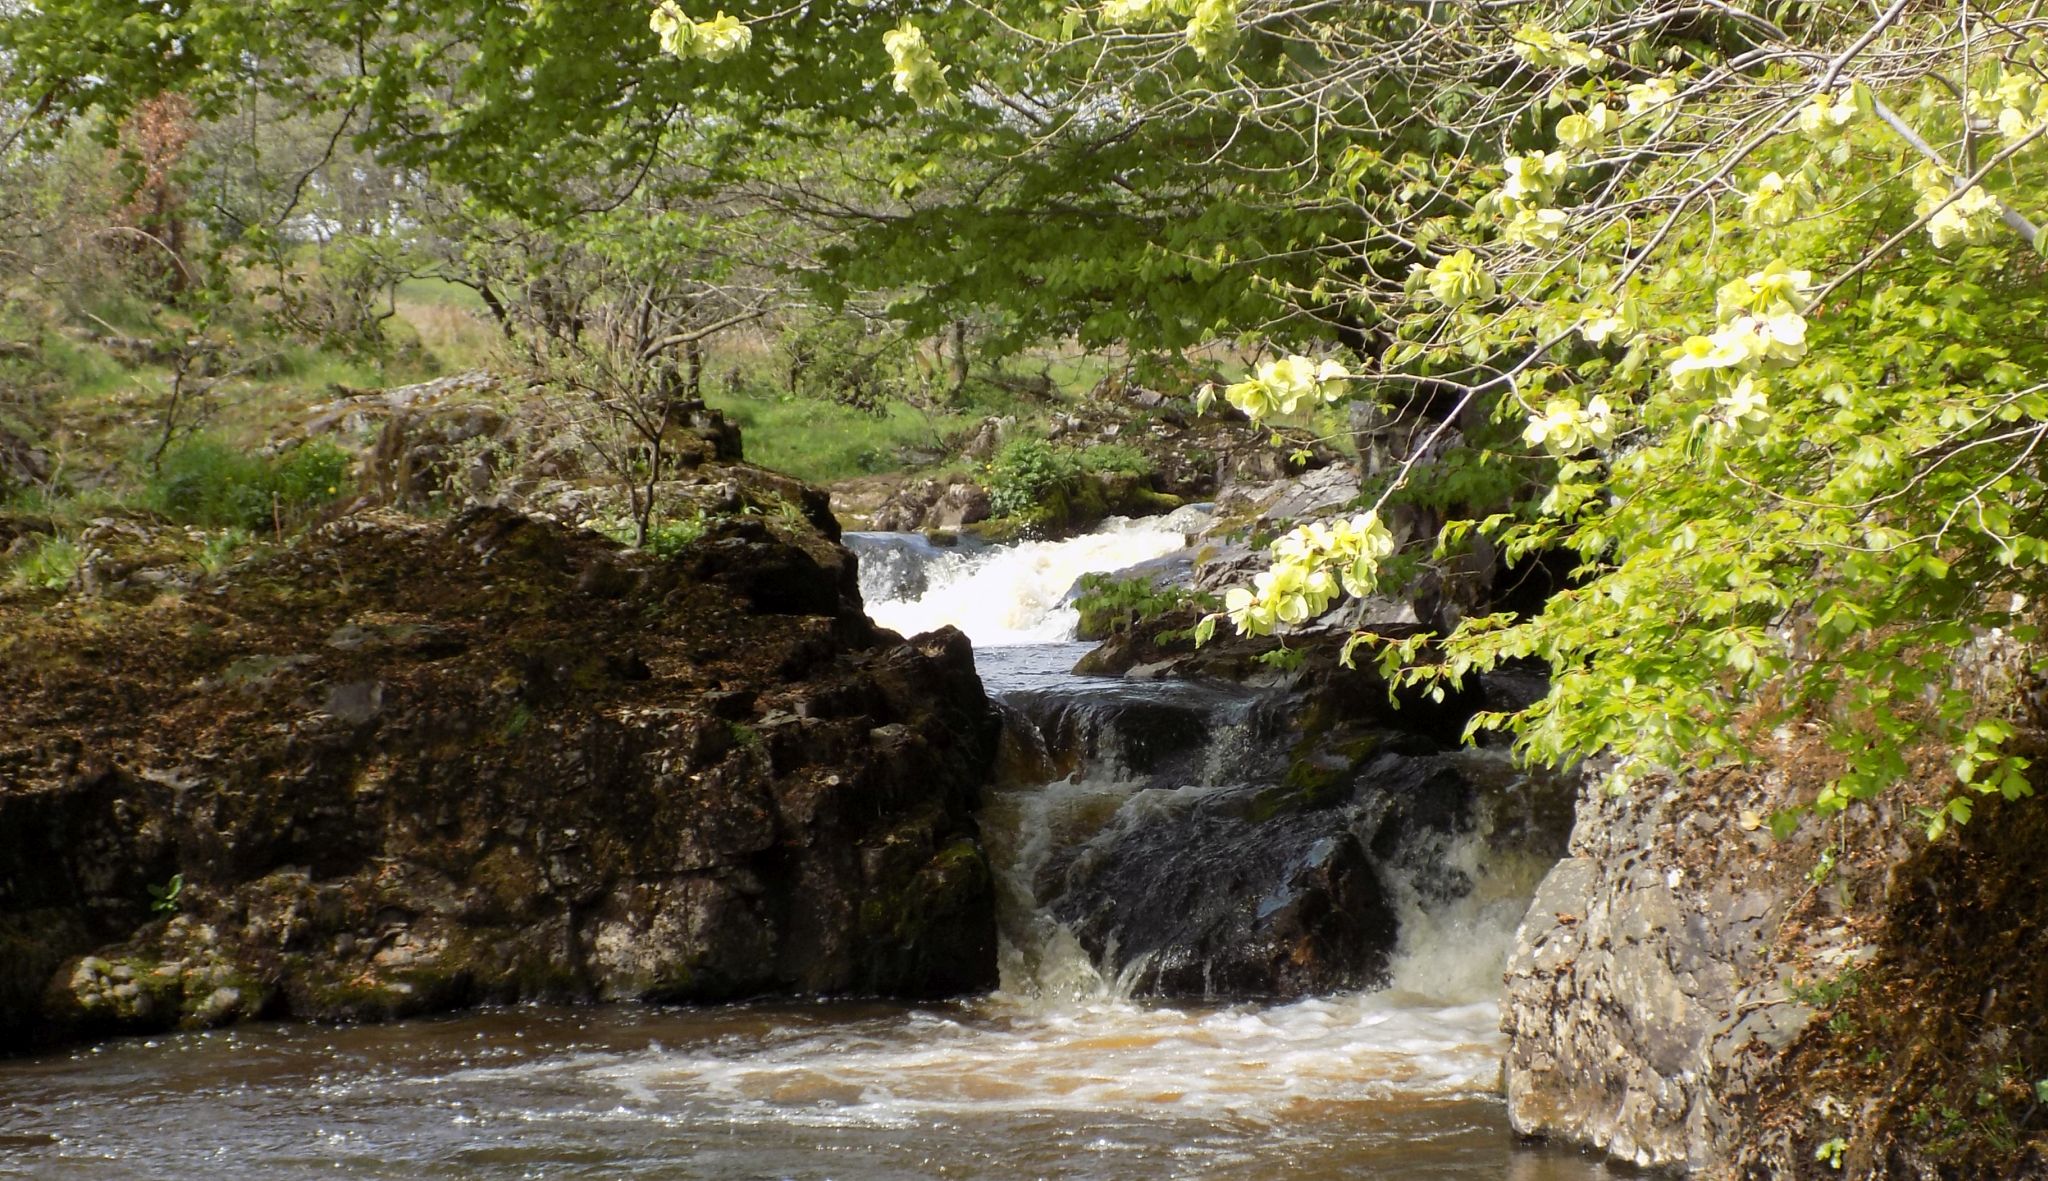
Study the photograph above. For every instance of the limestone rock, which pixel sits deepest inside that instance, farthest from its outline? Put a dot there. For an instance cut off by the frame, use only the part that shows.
(1640, 1007)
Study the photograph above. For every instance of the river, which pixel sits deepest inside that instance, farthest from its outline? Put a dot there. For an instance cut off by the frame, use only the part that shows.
(1058, 1074)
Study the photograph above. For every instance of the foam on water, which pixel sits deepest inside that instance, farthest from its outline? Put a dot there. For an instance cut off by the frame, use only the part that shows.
(1003, 1057)
(1012, 594)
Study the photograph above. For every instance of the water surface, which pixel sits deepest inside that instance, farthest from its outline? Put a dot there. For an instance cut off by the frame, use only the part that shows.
(1346, 1088)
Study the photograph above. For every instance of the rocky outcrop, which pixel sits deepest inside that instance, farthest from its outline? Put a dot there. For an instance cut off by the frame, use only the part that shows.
(931, 505)
(1641, 1002)
(1283, 833)
(1690, 991)
(403, 765)
(468, 438)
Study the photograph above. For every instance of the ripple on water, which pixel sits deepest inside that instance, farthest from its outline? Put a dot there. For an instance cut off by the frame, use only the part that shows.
(994, 1089)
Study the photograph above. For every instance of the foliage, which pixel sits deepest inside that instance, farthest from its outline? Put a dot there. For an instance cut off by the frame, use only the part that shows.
(665, 538)
(1789, 378)
(220, 550)
(164, 899)
(669, 538)
(1115, 459)
(1026, 473)
(856, 362)
(1755, 292)
(1110, 605)
(208, 483)
(49, 564)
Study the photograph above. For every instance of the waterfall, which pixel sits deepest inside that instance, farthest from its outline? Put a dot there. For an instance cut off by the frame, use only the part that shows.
(1007, 594)
(1111, 794)
(1141, 831)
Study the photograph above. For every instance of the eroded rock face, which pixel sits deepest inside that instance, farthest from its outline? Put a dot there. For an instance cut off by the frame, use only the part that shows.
(1644, 1001)
(406, 765)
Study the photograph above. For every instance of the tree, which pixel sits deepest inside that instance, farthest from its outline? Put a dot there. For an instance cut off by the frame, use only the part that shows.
(1736, 304)
(1762, 296)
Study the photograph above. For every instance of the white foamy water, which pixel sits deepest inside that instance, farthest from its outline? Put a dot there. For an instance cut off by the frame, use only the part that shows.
(1004, 1058)
(1010, 594)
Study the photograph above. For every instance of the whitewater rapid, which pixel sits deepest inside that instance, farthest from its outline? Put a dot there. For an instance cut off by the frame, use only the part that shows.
(1015, 594)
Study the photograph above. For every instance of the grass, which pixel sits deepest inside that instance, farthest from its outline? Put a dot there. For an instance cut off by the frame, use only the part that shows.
(50, 564)
(448, 323)
(822, 442)
(210, 483)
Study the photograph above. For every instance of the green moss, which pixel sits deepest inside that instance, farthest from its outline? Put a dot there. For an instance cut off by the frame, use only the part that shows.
(904, 918)
(1306, 786)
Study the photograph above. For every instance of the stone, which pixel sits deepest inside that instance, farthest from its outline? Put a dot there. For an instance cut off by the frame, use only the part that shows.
(1628, 1010)
(958, 506)
(490, 785)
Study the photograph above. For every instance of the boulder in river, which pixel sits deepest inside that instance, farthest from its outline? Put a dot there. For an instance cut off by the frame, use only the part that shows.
(406, 765)
(1274, 890)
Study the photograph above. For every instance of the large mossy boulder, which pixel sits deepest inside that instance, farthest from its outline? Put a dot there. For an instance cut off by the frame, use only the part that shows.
(404, 765)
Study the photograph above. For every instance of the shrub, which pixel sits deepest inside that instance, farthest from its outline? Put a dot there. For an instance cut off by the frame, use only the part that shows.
(208, 483)
(50, 564)
(1109, 604)
(1026, 474)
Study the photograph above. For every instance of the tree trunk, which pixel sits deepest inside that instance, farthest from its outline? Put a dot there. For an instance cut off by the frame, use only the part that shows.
(959, 359)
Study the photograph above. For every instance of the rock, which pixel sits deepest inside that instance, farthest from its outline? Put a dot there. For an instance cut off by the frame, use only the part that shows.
(1660, 1002)
(1290, 883)
(988, 438)
(1641, 1005)
(959, 505)
(925, 505)
(897, 566)
(491, 784)
(1209, 903)
(904, 510)
(21, 462)
(355, 703)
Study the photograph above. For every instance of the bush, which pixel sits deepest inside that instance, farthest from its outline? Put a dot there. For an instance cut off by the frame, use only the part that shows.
(1117, 459)
(1026, 474)
(1110, 605)
(208, 483)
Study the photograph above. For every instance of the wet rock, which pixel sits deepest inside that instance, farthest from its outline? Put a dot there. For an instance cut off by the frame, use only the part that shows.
(894, 566)
(1276, 889)
(1213, 904)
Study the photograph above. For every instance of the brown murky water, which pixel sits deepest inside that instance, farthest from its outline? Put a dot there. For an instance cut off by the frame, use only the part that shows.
(1378, 1087)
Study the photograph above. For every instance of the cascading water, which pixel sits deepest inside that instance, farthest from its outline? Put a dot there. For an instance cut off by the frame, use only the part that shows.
(1061, 1074)
(1093, 760)
(1003, 595)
